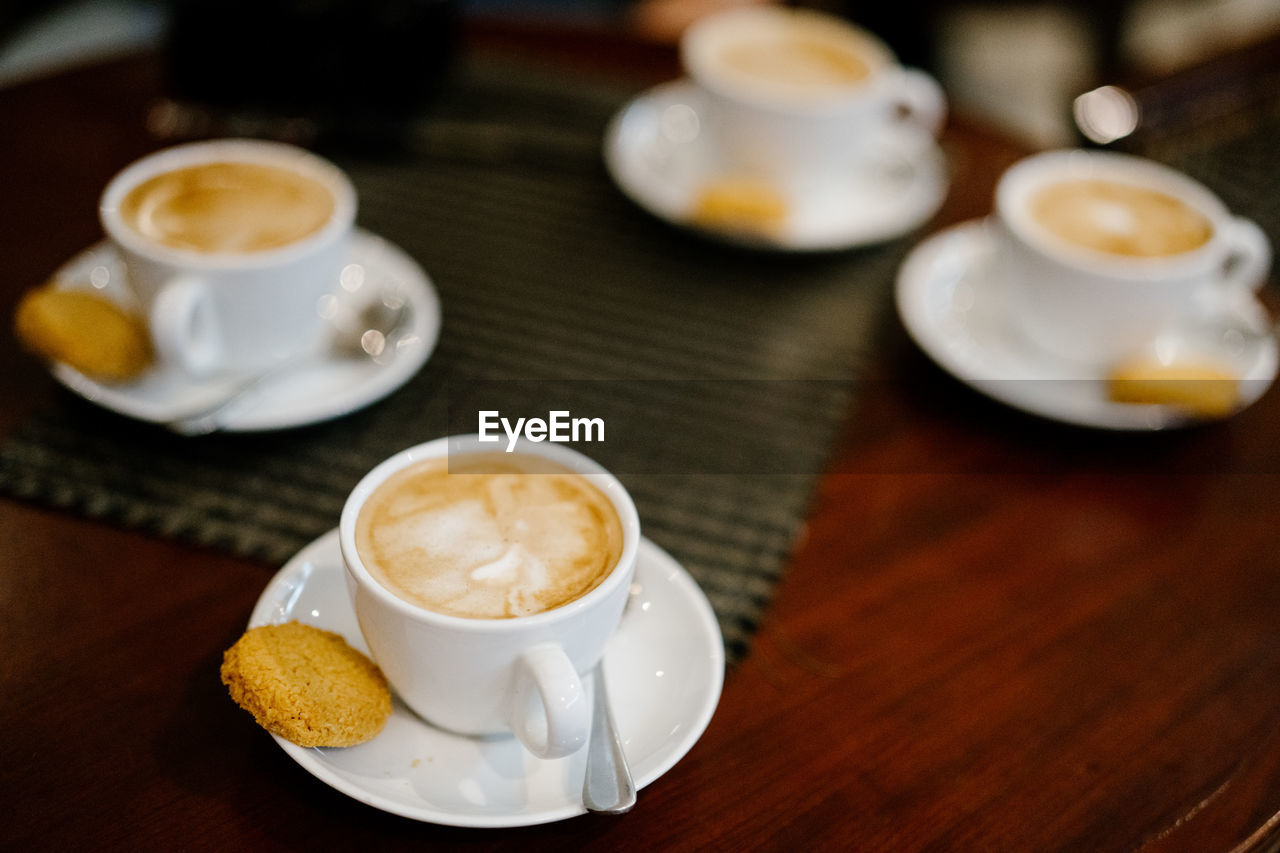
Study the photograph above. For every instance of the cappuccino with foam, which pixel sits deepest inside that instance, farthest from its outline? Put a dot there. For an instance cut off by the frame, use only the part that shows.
(227, 207)
(488, 536)
(1101, 255)
(1119, 218)
(797, 62)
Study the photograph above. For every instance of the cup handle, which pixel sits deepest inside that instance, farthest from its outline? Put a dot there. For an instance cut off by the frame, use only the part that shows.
(547, 707)
(922, 100)
(182, 325)
(1249, 256)
(1244, 269)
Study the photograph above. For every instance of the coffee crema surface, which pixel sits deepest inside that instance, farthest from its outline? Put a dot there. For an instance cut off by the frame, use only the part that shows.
(804, 65)
(230, 207)
(488, 536)
(1119, 218)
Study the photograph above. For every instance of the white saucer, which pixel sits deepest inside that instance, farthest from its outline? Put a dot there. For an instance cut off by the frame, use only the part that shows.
(951, 304)
(665, 667)
(316, 390)
(662, 175)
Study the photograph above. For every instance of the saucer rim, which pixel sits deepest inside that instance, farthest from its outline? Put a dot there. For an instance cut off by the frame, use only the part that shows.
(930, 155)
(652, 561)
(915, 282)
(425, 299)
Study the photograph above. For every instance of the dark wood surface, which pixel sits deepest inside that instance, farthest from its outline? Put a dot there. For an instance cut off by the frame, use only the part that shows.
(996, 633)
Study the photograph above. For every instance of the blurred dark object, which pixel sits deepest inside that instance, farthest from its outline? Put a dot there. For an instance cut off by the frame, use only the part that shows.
(348, 73)
(15, 14)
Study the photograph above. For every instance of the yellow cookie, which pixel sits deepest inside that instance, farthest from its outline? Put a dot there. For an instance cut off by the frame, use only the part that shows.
(307, 685)
(1203, 390)
(740, 204)
(85, 330)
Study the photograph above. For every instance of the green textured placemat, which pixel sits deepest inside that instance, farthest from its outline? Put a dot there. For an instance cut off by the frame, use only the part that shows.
(552, 284)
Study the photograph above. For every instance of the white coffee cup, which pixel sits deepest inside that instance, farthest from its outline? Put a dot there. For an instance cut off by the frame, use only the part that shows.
(1095, 307)
(213, 310)
(797, 126)
(483, 676)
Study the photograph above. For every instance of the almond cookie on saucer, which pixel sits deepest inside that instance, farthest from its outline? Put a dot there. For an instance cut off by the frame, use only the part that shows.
(307, 685)
(87, 331)
(1200, 389)
(741, 205)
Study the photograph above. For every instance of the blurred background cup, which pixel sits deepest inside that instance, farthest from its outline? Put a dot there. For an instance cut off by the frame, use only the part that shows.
(1101, 253)
(794, 96)
(229, 247)
(345, 73)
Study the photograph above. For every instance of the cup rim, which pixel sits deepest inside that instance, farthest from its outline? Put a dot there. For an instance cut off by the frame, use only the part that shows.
(1018, 181)
(699, 38)
(228, 150)
(567, 457)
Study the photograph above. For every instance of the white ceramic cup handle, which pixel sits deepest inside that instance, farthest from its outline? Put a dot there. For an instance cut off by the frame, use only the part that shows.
(1244, 269)
(547, 708)
(922, 98)
(183, 327)
(1249, 256)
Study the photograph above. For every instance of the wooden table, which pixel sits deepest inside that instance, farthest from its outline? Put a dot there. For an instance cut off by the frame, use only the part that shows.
(996, 634)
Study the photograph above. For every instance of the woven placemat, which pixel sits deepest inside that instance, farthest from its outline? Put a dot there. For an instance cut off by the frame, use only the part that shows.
(726, 372)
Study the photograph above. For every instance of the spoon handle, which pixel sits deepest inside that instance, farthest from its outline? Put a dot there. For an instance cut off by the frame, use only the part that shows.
(608, 786)
(208, 419)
